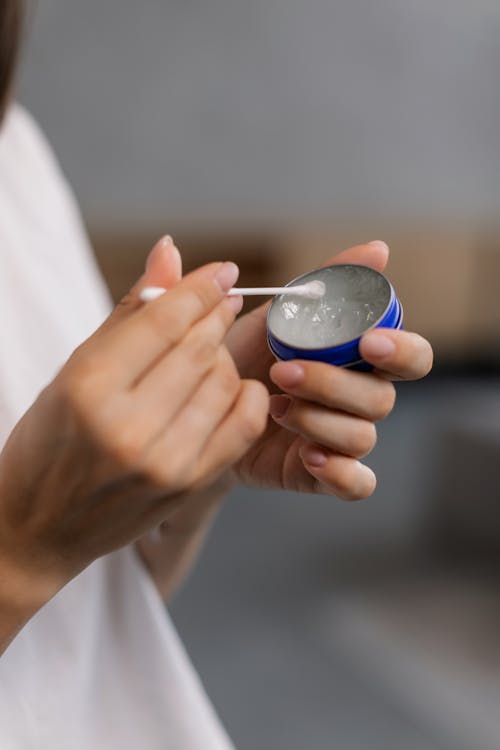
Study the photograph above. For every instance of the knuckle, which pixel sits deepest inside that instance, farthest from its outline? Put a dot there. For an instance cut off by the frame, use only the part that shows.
(225, 314)
(255, 415)
(303, 418)
(170, 474)
(125, 447)
(324, 381)
(252, 425)
(129, 301)
(165, 320)
(163, 325)
(334, 379)
(203, 296)
(229, 380)
(79, 383)
(202, 350)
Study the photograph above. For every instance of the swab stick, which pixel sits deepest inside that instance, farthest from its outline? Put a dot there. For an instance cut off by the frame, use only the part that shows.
(311, 290)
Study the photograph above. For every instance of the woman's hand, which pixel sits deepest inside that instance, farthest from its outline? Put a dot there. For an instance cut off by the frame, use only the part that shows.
(324, 420)
(149, 409)
(324, 416)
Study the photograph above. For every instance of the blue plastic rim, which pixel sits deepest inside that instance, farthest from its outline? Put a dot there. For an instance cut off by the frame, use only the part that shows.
(342, 355)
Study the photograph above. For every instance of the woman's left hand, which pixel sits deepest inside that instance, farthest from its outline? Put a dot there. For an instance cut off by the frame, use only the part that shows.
(324, 417)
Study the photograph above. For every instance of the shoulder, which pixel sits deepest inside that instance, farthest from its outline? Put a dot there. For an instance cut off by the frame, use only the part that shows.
(23, 142)
(28, 162)
(37, 200)
(21, 130)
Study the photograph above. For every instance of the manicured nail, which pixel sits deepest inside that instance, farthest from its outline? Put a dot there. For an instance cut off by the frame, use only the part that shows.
(314, 456)
(287, 374)
(236, 303)
(278, 406)
(379, 244)
(227, 276)
(175, 256)
(164, 243)
(378, 346)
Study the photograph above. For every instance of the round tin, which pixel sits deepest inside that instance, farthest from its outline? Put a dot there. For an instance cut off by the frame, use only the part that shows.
(357, 299)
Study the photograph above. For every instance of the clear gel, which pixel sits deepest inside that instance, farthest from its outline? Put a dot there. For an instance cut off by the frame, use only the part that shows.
(353, 302)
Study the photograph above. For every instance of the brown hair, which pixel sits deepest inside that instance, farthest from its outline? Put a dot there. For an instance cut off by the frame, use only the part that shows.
(11, 19)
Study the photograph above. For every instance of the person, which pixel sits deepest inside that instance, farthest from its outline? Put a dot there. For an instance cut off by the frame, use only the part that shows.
(118, 451)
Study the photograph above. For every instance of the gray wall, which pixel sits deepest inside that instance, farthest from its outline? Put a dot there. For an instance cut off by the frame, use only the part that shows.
(235, 110)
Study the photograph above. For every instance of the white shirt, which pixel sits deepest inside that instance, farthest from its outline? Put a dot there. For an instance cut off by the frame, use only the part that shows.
(100, 667)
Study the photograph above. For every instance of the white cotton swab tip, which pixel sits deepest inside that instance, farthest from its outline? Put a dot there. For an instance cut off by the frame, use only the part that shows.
(149, 293)
(311, 290)
(314, 289)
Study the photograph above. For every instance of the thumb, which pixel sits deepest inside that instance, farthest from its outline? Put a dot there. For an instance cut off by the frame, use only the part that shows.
(373, 254)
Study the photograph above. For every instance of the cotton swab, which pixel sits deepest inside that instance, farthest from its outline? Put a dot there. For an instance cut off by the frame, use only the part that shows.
(149, 293)
(311, 290)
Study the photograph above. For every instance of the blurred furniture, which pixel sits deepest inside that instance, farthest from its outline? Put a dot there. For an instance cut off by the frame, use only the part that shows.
(448, 278)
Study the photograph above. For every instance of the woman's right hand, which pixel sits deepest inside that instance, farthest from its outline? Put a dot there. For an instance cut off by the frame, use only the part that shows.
(148, 409)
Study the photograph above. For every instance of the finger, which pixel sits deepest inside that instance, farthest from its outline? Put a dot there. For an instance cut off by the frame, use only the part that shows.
(345, 477)
(164, 427)
(173, 378)
(373, 254)
(398, 355)
(197, 456)
(183, 438)
(362, 394)
(163, 267)
(341, 433)
(129, 349)
(242, 427)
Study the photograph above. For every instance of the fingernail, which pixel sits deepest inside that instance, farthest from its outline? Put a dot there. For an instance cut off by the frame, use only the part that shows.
(236, 303)
(314, 456)
(278, 406)
(227, 276)
(165, 242)
(380, 244)
(378, 346)
(287, 374)
(175, 255)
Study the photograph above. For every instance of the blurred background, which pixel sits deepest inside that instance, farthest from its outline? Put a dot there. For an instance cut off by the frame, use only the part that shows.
(276, 132)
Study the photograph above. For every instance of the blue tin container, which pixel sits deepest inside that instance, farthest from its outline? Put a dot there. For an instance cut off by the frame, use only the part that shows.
(357, 299)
